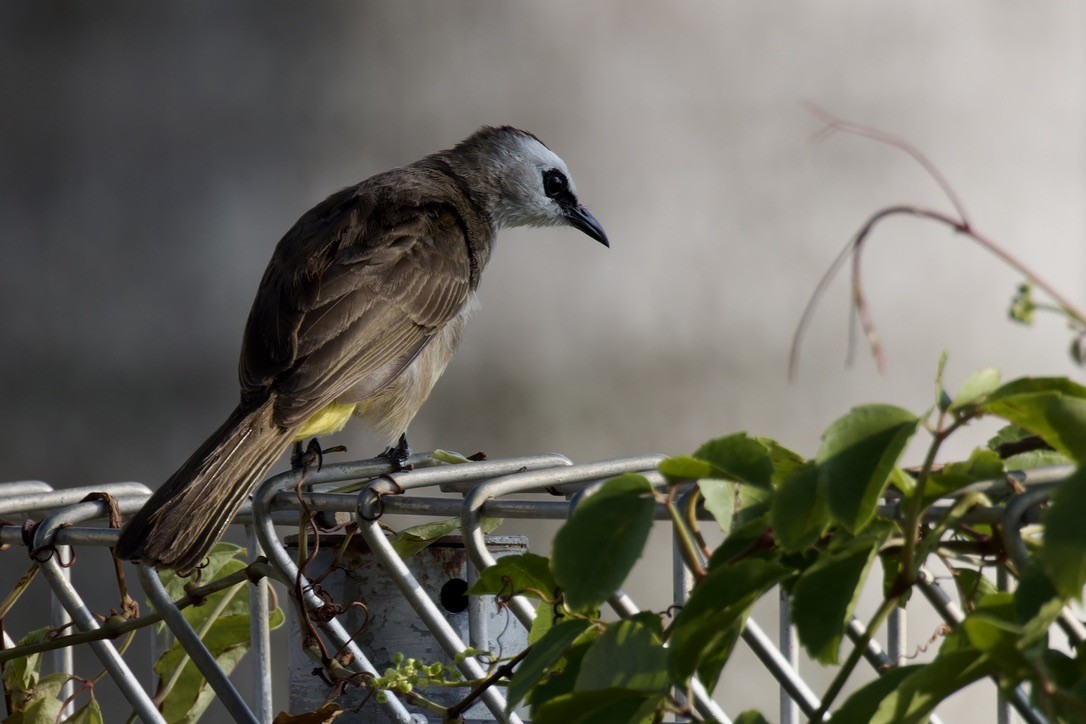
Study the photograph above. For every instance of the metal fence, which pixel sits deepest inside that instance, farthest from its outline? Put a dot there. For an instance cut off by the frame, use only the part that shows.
(505, 488)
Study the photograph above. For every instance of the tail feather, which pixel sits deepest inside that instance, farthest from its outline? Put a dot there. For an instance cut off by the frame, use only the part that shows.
(184, 518)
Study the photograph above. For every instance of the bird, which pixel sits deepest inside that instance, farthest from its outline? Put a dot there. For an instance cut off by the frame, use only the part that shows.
(359, 310)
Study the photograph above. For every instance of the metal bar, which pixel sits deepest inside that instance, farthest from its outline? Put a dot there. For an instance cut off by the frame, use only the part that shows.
(424, 606)
(64, 658)
(624, 606)
(873, 653)
(789, 647)
(478, 623)
(84, 619)
(1019, 554)
(260, 637)
(896, 632)
(1003, 709)
(1012, 522)
(32, 502)
(280, 559)
(76, 535)
(194, 647)
(24, 487)
(953, 615)
(782, 670)
(473, 504)
(682, 580)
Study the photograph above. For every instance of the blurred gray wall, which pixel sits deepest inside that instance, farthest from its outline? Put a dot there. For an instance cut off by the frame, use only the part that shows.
(152, 154)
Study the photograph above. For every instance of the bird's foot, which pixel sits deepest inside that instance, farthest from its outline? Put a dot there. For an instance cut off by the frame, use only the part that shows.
(397, 454)
(313, 453)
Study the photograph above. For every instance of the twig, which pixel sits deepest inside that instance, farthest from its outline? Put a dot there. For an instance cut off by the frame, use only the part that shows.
(845, 671)
(958, 222)
(836, 124)
(113, 628)
(505, 669)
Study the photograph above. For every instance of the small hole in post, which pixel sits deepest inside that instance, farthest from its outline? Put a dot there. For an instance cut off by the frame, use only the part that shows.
(454, 595)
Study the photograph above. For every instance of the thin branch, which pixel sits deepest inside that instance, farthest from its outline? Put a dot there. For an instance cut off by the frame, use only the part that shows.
(195, 596)
(860, 301)
(834, 124)
(959, 222)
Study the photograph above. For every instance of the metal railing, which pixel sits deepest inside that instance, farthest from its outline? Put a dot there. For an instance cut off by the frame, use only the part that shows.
(367, 491)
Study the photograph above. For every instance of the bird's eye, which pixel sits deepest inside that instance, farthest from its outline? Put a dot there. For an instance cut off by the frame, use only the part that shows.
(554, 183)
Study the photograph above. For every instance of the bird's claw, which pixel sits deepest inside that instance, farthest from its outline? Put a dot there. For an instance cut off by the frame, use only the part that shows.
(398, 454)
(313, 453)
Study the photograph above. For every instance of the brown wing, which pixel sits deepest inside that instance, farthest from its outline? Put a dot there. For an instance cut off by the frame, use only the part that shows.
(352, 294)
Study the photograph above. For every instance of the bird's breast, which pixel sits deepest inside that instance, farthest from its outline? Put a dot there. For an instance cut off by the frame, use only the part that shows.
(391, 409)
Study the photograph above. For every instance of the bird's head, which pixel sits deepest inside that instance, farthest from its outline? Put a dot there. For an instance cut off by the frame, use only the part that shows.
(531, 184)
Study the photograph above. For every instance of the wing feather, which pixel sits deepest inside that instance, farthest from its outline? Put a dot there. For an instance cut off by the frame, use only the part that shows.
(351, 295)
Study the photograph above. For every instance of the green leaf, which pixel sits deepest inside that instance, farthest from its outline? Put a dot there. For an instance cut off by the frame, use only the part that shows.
(681, 467)
(1063, 551)
(600, 706)
(916, 694)
(942, 399)
(1006, 435)
(543, 622)
(42, 711)
(745, 470)
(1036, 459)
(744, 540)
(901, 480)
(628, 655)
(857, 455)
(1036, 601)
(972, 586)
(720, 500)
(90, 713)
(798, 513)
(51, 684)
(1022, 305)
(751, 716)
(410, 541)
(982, 464)
(1012, 629)
(526, 574)
(825, 595)
(21, 675)
(562, 675)
(734, 504)
(543, 654)
(975, 389)
(784, 460)
(739, 457)
(223, 623)
(862, 705)
(597, 546)
(449, 456)
(706, 628)
(991, 629)
(1052, 407)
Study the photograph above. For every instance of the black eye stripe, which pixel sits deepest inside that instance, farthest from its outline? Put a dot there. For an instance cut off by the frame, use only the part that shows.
(555, 184)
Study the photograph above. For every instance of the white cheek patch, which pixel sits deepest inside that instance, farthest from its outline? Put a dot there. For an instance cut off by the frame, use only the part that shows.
(524, 202)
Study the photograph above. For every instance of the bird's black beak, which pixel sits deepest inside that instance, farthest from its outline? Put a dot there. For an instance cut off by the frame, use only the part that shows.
(581, 218)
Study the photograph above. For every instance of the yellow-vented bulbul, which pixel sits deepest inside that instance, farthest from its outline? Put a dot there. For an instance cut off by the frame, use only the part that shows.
(359, 311)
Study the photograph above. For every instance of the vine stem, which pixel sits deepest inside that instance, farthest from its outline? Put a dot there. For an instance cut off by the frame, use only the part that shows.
(505, 669)
(915, 502)
(841, 678)
(958, 221)
(175, 675)
(687, 545)
(252, 572)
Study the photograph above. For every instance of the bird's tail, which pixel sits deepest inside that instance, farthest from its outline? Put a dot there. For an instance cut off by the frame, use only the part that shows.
(184, 518)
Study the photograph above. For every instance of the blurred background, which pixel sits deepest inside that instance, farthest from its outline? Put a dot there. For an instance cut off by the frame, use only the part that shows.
(151, 155)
